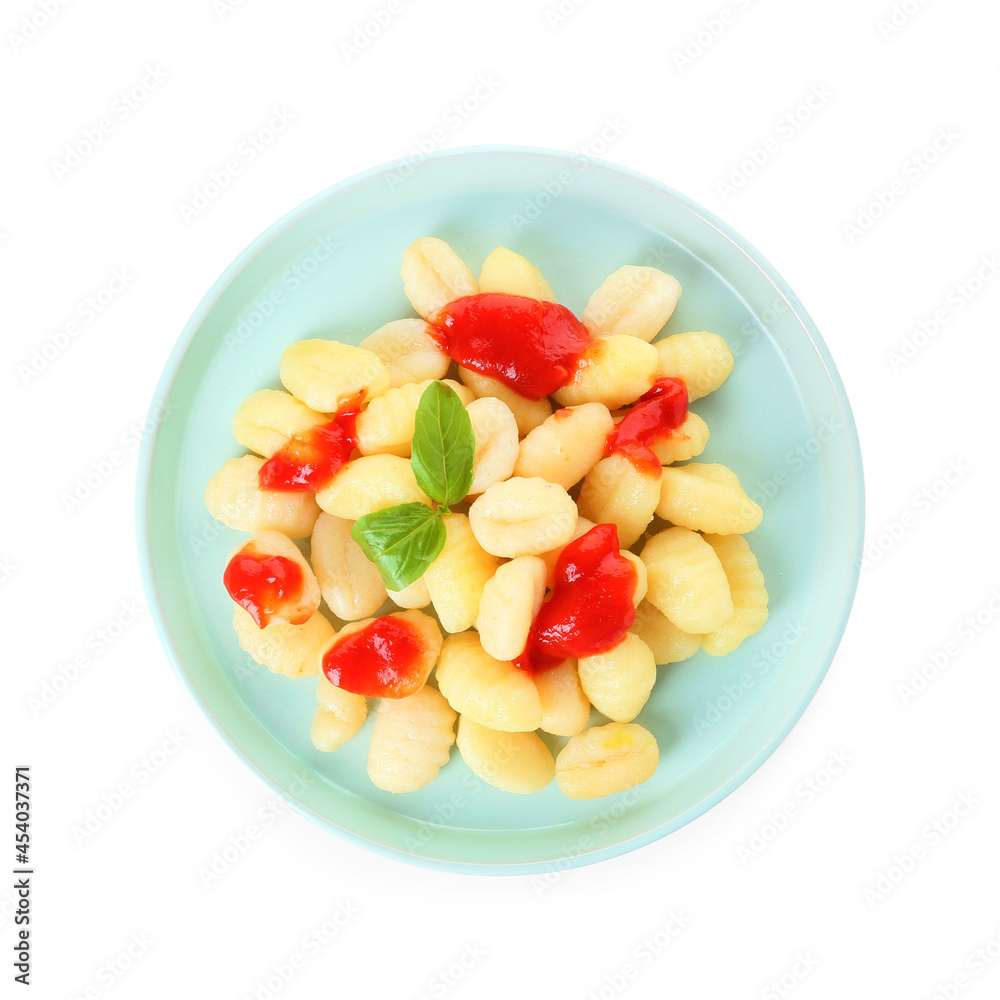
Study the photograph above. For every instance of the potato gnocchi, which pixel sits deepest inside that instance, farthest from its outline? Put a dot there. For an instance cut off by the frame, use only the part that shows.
(581, 555)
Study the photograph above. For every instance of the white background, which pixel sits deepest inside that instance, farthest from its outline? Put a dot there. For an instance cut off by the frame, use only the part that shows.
(805, 915)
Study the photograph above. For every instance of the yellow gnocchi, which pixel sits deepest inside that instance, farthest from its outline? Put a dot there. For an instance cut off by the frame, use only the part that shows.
(292, 650)
(508, 273)
(707, 497)
(292, 608)
(613, 370)
(617, 491)
(510, 601)
(523, 517)
(495, 432)
(457, 578)
(434, 275)
(551, 557)
(411, 741)
(235, 498)
(512, 762)
(668, 643)
(607, 759)
(528, 413)
(566, 446)
(618, 683)
(370, 483)
(746, 584)
(326, 373)
(565, 708)
(409, 351)
(267, 420)
(338, 716)
(701, 359)
(634, 301)
(686, 581)
(351, 585)
(416, 595)
(687, 441)
(492, 692)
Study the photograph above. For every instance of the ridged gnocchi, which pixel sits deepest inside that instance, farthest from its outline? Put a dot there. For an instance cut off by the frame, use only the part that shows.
(416, 595)
(636, 301)
(528, 413)
(510, 601)
(234, 497)
(565, 708)
(267, 420)
(617, 491)
(746, 585)
(512, 762)
(707, 497)
(411, 741)
(338, 716)
(495, 430)
(326, 373)
(370, 483)
(686, 581)
(492, 692)
(292, 650)
(618, 682)
(409, 351)
(434, 275)
(523, 517)
(508, 273)
(686, 442)
(566, 446)
(351, 585)
(457, 578)
(668, 643)
(614, 370)
(607, 759)
(701, 359)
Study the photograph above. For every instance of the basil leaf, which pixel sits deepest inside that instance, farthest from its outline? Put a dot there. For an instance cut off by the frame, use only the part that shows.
(444, 446)
(402, 541)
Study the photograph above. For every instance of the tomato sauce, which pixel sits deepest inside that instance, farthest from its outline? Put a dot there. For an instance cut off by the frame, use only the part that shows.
(382, 660)
(654, 417)
(262, 585)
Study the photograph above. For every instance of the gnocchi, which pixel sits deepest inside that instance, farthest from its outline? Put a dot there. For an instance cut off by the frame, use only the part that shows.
(687, 441)
(607, 759)
(292, 650)
(509, 273)
(495, 430)
(411, 741)
(326, 373)
(614, 370)
(512, 762)
(267, 420)
(338, 716)
(523, 517)
(702, 360)
(434, 275)
(409, 351)
(565, 708)
(370, 483)
(634, 301)
(668, 643)
(528, 413)
(351, 585)
(707, 497)
(746, 585)
(618, 683)
(566, 446)
(616, 491)
(510, 602)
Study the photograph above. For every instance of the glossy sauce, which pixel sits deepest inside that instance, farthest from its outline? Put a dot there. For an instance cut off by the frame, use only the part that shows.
(262, 585)
(533, 347)
(591, 606)
(381, 660)
(654, 417)
(310, 460)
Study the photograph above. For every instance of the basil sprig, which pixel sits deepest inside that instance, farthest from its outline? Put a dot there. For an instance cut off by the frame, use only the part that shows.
(402, 541)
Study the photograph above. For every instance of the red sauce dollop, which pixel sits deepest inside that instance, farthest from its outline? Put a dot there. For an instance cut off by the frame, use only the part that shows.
(591, 607)
(309, 461)
(531, 346)
(382, 660)
(657, 414)
(263, 584)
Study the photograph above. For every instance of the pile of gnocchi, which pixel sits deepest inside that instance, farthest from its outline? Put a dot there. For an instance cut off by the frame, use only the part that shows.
(449, 655)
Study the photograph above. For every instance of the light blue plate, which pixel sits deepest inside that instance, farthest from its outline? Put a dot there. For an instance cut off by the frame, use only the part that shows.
(331, 269)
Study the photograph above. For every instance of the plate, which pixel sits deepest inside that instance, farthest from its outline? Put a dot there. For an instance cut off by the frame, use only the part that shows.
(330, 268)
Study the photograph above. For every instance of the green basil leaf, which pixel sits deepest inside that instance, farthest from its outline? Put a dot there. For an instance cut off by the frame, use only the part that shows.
(444, 447)
(402, 541)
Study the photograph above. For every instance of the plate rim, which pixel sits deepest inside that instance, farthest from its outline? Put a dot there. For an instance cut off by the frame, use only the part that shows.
(168, 377)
